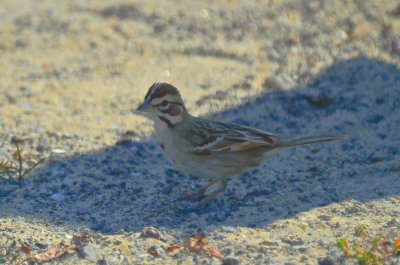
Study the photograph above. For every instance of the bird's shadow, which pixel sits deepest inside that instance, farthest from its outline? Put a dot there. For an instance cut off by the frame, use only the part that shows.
(130, 186)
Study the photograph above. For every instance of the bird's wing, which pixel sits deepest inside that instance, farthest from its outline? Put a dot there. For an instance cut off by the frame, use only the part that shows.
(214, 137)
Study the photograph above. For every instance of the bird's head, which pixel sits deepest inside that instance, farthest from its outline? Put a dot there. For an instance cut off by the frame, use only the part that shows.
(163, 103)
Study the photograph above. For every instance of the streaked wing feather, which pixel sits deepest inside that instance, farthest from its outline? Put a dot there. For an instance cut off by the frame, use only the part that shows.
(223, 137)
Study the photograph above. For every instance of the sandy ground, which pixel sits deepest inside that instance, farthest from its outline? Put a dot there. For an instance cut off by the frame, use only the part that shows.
(71, 71)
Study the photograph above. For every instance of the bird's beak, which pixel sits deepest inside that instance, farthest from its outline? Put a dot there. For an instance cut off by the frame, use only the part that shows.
(143, 107)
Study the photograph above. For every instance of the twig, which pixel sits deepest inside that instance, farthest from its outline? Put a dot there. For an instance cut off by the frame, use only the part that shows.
(20, 176)
(33, 167)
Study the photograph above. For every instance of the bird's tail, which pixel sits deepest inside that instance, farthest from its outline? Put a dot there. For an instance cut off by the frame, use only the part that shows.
(311, 140)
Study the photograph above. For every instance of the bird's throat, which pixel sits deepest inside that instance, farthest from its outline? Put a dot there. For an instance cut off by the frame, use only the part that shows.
(166, 121)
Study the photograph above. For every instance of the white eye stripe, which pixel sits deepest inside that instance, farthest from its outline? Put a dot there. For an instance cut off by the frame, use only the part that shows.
(161, 107)
(158, 101)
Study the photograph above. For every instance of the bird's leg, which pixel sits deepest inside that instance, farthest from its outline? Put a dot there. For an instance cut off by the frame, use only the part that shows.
(222, 187)
(200, 192)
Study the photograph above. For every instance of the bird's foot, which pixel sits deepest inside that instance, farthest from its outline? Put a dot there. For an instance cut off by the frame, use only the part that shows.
(206, 199)
(195, 195)
(198, 194)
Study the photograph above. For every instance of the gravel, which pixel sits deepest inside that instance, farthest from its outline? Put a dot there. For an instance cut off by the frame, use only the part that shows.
(71, 73)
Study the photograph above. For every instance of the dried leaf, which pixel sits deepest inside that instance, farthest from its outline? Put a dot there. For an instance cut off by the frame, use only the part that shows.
(200, 240)
(396, 243)
(359, 250)
(192, 245)
(50, 254)
(385, 245)
(25, 248)
(4, 164)
(173, 248)
(195, 246)
(198, 246)
(212, 252)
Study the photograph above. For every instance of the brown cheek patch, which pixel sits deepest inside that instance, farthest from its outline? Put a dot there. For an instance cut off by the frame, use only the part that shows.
(174, 110)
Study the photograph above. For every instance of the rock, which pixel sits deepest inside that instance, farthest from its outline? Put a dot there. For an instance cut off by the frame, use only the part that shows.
(41, 246)
(21, 139)
(230, 260)
(342, 35)
(326, 261)
(101, 262)
(283, 81)
(155, 251)
(89, 252)
(124, 249)
(150, 232)
(321, 100)
(57, 153)
(41, 146)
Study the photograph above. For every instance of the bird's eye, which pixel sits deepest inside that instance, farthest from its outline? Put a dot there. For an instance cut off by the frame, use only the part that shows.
(164, 103)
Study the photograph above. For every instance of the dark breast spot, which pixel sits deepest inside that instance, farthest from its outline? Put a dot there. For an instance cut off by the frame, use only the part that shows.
(162, 146)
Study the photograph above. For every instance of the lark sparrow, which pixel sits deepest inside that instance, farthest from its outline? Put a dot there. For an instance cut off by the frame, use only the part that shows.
(210, 149)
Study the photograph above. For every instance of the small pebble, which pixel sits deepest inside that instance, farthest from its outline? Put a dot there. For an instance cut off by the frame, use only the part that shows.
(230, 261)
(262, 201)
(136, 174)
(342, 35)
(283, 81)
(58, 151)
(41, 246)
(101, 262)
(166, 73)
(204, 13)
(57, 197)
(41, 146)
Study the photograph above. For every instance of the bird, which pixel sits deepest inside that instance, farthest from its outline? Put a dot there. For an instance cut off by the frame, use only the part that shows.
(208, 149)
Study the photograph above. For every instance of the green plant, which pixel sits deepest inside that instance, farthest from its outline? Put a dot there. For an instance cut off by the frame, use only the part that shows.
(22, 173)
(7, 168)
(360, 230)
(370, 250)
